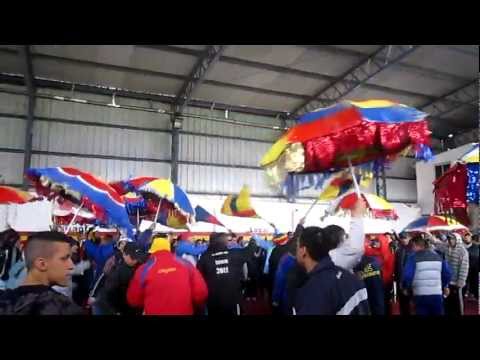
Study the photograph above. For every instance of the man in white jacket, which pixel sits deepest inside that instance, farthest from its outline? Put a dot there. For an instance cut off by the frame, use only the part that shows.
(351, 248)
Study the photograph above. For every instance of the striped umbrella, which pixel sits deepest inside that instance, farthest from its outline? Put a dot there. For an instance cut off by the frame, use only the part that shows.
(131, 185)
(11, 195)
(434, 223)
(85, 189)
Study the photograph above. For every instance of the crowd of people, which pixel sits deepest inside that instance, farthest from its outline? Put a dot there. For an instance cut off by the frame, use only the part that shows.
(313, 271)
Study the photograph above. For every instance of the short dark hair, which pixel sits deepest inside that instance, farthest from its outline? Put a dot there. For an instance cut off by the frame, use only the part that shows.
(39, 245)
(420, 240)
(335, 233)
(218, 239)
(316, 241)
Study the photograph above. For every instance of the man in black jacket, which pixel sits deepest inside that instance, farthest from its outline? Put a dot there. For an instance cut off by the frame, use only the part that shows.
(112, 297)
(473, 255)
(402, 253)
(222, 270)
(329, 289)
(369, 272)
(48, 261)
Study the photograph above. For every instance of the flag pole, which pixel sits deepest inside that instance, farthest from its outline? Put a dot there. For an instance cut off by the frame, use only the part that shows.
(355, 183)
(158, 211)
(311, 207)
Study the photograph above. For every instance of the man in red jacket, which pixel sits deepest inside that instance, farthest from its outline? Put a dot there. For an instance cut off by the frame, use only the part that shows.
(167, 285)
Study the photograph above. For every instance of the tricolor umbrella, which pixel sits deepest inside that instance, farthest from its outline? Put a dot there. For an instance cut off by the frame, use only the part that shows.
(343, 135)
(164, 189)
(434, 223)
(85, 189)
(11, 195)
(378, 207)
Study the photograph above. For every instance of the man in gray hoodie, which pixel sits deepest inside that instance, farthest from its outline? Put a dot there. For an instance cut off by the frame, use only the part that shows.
(457, 259)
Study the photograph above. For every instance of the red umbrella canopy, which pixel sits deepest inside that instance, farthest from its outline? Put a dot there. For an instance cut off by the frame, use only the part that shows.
(11, 195)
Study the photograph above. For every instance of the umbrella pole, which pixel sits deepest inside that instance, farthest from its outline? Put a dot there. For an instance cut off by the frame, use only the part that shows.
(73, 219)
(138, 218)
(355, 183)
(158, 211)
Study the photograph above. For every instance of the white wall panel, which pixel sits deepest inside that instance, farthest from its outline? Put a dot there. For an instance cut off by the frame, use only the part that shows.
(11, 168)
(210, 179)
(401, 190)
(402, 167)
(12, 133)
(60, 137)
(13, 104)
(109, 170)
(221, 151)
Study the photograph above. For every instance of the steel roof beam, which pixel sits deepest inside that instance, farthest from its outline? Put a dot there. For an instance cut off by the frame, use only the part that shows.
(357, 76)
(199, 72)
(162, 74)
(466, 94)
(413, 68)
(229, 60)
(16, 79)
(286, 70)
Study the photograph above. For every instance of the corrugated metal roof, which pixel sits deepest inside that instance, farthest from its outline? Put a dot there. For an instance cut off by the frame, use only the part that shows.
(273, 77)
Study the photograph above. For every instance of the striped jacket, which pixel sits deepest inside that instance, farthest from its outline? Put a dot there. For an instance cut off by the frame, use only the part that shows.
(331, 290)
(426, 273)
(457, 258)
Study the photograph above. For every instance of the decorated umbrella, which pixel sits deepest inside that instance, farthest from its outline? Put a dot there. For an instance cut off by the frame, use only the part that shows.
(155, 191)
(377, 207)
(11, 195)
(131, 185)
(434, 223)
(471, 159)
(64, 212)
(85, 189)
(344, 135)
(136, 207)
(458, 187)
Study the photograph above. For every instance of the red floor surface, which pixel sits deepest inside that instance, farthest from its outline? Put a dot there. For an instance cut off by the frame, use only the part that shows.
(261, 307)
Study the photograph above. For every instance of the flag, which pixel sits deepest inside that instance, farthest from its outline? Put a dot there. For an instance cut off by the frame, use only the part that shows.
(172, 218)
(342, 182)
(204, 216)
(239, 205)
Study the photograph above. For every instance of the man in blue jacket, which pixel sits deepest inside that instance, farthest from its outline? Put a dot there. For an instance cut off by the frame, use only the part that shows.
(100, 251)
(329, 289)
(428, 276)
